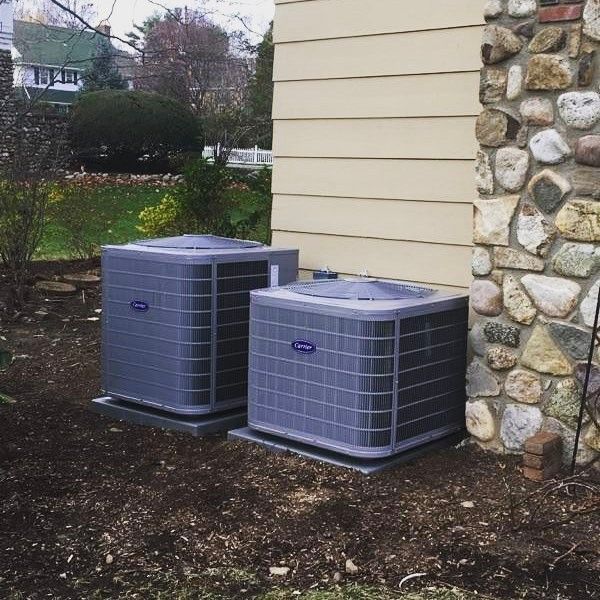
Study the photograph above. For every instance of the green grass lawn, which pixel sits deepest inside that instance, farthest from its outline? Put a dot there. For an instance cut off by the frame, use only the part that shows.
(116, 210)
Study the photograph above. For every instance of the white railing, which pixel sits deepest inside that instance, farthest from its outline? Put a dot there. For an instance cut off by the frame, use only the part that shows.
(243, 156)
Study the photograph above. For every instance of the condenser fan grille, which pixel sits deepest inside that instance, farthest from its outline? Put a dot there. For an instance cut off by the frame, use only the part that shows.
(365, 289)
(198, 242)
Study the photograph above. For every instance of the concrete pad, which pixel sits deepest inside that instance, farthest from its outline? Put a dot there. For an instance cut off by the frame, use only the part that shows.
(365, 466)
(197, 426)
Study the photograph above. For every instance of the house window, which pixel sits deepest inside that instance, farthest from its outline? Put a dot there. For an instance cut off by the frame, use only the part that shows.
(44, 76)
(70, 76)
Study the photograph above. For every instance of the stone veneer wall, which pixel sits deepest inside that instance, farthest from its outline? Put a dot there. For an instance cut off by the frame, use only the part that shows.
(536, 223)
(41, 137)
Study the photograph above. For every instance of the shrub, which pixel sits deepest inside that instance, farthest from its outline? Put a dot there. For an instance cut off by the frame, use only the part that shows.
(211, 201)
(131, 130)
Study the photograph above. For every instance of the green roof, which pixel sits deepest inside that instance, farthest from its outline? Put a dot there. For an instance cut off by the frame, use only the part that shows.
(54, 46)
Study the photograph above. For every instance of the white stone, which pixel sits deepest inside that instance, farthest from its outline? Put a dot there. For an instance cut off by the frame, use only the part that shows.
(512, 165)
(480, 421)
(537, 111)
(492, 9)
(554, 296)
(517, 303)
(514, 84)
(588, 306)
(483, 173)
(591, 19)
(492, 220)
(509, 258)
(534, 233)
(580, 110)
(549, 148)
(523, 386)
(521, 8)
(519, 423)
(481, 263)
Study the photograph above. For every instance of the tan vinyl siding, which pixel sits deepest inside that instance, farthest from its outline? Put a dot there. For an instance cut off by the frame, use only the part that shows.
(374, 111)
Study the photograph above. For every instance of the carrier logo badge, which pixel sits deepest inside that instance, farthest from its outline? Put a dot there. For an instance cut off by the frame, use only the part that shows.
(139, 305)
(304, 347)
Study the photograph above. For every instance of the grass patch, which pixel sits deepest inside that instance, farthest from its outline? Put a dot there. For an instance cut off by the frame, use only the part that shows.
(360, 592)
(114, 219)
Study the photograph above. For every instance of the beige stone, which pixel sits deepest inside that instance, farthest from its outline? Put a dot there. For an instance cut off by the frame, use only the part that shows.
(501, 359)
(509, 258)
(492, 85)
(549, 39)
(534, 233)
(543, 355)
(580, 220)
(548, 72)
(492, 220)
(483, 173)
(554, 296)
(517, 303)
(495, 127)
(480, 421)
(499, 44)
(592, 438)
(537, 111)
(523, 386)
(486, 298)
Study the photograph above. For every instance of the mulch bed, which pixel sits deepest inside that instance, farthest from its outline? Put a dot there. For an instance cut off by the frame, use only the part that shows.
(91, 508)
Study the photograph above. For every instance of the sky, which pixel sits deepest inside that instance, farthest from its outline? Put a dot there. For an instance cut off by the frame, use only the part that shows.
(256, 14)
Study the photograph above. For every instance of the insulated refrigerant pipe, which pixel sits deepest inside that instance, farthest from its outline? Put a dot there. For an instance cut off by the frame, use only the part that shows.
(586, 384)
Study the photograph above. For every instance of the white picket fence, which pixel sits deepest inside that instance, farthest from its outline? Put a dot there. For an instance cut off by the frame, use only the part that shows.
(244, 156)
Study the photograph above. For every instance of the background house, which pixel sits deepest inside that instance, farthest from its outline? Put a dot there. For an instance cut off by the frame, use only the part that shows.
(49, 61)
(374, 113)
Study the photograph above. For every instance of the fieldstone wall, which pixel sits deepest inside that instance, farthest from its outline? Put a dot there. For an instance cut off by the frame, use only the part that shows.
(39, 136)
(536, 223)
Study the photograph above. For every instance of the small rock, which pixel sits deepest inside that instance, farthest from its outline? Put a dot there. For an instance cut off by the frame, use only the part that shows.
(534, 233)
(522, 8)
(585, 70)
(519, 423)
(512, 165)
(492, 9)
(499, 44)
(509, 258)
(517, 303)
(483, 173)
(554, 296)
(492, 85)
(351, 568)
(548, 147)
(549, 39)
(337, 577)
(587, 182)
(576, 260)
(588, 306)
(481, 263)
(480, 421)
(492, 220)
(575, 341)
(564, 402)
(594, 382)
(279, 571)
(495, 127)
(468, 504)
(523, 386)
(525, 29)
(580, 220)
(109, 559)
(514, 82)
(501, 359)
(548, 189)
(592, 438)
(548, 72)
(543, 355)
(498, 333)
(587, 150)
(486, 298)
(580, 110)
(481, 382)
(537, 111)
(591, 19)
(574, 45)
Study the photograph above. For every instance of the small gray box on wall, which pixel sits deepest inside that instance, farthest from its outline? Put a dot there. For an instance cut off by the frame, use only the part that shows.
(367, 368)
(175, 319)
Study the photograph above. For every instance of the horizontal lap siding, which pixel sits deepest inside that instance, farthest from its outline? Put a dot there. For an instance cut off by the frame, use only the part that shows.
(374, 110)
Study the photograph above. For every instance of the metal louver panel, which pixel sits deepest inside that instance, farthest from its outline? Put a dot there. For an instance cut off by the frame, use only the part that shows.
(359, 289)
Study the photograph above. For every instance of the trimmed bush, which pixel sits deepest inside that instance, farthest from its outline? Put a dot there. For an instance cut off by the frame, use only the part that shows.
(131, 130)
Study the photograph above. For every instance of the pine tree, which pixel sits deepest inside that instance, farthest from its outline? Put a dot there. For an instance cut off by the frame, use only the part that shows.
(103, 73)
(260, 99)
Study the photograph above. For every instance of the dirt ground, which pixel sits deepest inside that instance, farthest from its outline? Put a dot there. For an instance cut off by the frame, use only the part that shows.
(92, 508)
